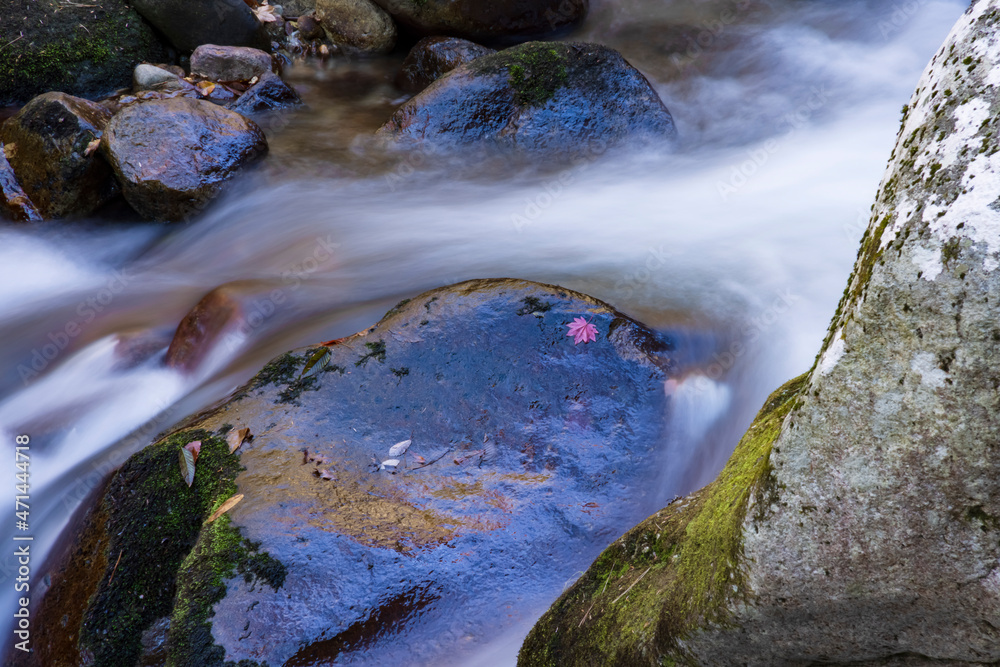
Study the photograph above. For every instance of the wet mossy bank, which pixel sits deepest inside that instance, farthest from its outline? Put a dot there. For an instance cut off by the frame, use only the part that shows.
(528, 453)
(81, 49)
(679, 569)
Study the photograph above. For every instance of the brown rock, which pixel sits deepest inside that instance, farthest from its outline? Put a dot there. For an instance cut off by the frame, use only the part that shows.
(310, 27)
(204, 326)
(229, 63)
(173, 156)
(358, 25)
(50, 144)
(432, 57)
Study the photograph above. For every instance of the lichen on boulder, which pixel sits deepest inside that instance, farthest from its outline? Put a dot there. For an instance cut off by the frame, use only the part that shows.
(873, 538)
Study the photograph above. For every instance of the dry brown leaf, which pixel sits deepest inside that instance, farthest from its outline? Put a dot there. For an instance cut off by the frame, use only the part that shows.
(205, 87)
(10, 150)
(236, 438)
(225, 507)
(92, 146)
(195, 448)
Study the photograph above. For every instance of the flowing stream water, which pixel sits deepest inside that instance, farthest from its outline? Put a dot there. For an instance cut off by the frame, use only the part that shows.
(742, 240)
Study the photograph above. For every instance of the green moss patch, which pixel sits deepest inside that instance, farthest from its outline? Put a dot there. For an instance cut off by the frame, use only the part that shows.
(154, 520)
(221, 553)
(535, 70)
(677, 571)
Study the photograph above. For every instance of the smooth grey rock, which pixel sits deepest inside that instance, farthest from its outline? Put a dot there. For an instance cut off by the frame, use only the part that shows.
(190, 23)
(865, 510)
(229, 63)
(151, 77)
(358, 25)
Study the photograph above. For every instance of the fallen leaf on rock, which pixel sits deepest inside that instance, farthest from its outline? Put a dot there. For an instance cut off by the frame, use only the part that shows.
(187, 465)
(10, 150)
(225, 507)
(236, 438)
(265, 13)
(318, 360)
(92, 146)
(419, 459)
(399, 448)
(195, 448)
(326, 474)
(205, 87)
(389, 463)
(582, 331)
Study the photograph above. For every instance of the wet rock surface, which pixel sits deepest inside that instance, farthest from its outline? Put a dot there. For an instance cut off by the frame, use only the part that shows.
(432, 57)
(478, 20)
(75, 48)
(548, 96)
(229, 63)
(269, 94)
(51, 144)
(190, 23)
(357, 25)
(527, 453)
(150, 77)
(858, 521)
(14, 203)
(172, 156)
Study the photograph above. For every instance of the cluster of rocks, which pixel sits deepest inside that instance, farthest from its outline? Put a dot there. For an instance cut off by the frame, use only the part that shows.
(168, 145)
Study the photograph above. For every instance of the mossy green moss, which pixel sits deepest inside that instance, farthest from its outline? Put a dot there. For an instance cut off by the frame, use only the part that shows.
(72, 49)
(677, 571)
(221, 553)
(154, 520)
(535, 70)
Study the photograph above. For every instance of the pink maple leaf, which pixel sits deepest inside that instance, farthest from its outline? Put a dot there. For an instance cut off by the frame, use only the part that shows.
(582, 331)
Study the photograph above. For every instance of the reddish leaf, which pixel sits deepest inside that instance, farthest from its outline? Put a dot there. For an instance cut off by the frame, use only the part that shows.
(582, 331)
(195, 449)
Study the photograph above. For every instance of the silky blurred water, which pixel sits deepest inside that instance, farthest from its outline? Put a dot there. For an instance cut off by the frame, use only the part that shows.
(741, 241)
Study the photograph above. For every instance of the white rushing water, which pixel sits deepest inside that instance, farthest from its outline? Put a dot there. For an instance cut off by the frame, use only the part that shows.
(744, 239)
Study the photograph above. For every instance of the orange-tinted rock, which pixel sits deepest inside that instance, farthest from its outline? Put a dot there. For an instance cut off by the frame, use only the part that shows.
(217, 314)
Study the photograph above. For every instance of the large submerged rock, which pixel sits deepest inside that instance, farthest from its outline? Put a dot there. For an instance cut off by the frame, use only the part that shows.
(549, 96)
(858, 521)
(173, 156)
(528, 454)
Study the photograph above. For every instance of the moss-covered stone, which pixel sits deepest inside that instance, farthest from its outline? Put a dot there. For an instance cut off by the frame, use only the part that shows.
(84, 50)
(676, 571)
(154, 520)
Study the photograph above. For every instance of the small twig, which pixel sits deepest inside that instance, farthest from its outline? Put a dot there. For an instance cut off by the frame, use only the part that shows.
(609, 578)
(432, 462)
(115, 569)
(633, 584)
(9, 43)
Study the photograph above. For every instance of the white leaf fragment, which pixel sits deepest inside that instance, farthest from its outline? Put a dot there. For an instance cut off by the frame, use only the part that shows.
(389, 463)
(399, 448)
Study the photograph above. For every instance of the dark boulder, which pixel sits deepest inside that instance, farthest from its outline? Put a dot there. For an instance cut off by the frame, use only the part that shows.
(528, 454)
(173, 156)
(537, 96)
(432, 57)
(52, 145)
(487, 20)
(229, 63)
(75, 48)
(190, 23)
(268, 94)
